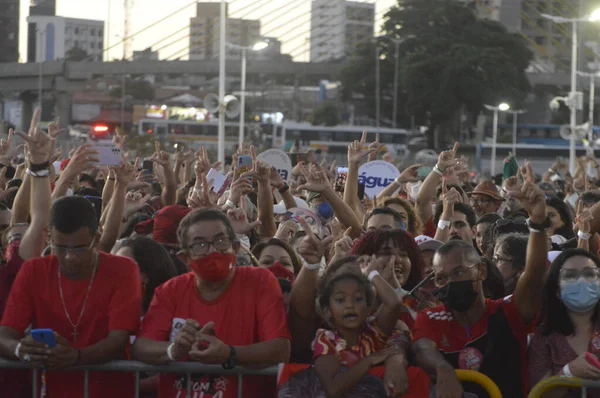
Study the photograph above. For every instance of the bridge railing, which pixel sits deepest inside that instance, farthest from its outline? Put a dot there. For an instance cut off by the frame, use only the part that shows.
(565, 382)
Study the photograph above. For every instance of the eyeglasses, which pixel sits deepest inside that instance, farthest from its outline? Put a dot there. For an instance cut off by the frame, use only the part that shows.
(572, 275)
(497, 259)
(481, 200)
(457, 274)
(60, 250)
(201, 248)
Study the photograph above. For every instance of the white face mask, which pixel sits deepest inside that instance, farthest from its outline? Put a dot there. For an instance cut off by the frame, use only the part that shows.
(69, 192)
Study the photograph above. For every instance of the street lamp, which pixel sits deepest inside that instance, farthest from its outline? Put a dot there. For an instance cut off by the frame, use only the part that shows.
(503, 107)
(594, 16)
(260, 45)
(222, 55)
(592, 76)
(41, 38)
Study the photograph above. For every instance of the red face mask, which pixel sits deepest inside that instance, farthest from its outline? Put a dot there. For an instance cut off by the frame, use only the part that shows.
(213, 268)
(280, 271)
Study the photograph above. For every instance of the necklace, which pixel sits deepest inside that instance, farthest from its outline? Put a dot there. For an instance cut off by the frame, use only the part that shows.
(62, 299)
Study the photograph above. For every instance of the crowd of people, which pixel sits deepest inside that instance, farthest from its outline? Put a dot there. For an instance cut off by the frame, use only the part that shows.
(373, 297)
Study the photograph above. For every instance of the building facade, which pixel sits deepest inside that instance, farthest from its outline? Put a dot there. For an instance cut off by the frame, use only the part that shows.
(9, 30)
(53, 38)
(338, 26)
(205, 28)
(42, 7)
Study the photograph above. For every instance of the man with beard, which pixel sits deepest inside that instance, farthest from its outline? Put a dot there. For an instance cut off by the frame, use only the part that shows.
(455, 220)
(474, 333)
(485, 198)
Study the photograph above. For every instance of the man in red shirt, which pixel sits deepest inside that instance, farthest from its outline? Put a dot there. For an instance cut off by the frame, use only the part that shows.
(217, 314)
(90, 300)
(474, 333)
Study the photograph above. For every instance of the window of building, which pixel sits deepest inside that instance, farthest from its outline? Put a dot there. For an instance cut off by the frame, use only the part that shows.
(11, 36)
(92, 32)
(76, 31)
(540, 40)
(100, 34)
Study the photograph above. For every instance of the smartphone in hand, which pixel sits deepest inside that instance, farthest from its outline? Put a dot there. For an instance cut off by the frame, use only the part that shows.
(108, 155)
(45, 336)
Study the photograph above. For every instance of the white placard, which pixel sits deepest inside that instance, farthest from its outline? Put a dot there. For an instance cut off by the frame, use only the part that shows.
(376, 175)
(278, 159)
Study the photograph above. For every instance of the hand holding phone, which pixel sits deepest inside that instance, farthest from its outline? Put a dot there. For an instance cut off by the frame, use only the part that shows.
(244, 163)
(45, 336)
(108, 155)
(592, 359)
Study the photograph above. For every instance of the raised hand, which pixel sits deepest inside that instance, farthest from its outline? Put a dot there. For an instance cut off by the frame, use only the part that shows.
(7, 151)
(260, 170)
(358, 150)
(530, 196)
(39, 144)
(410, 174)
(316, 181)
(202, 197)
(125, 173)
(447, 159)
(83, 158)
(159, 156)
(239, 220)
(275, 179)
(54, 128)
(583, 218)
(312, 248)
(202, 162)
(286, 230)
(450, 198)
(240, 187)
(342, 247)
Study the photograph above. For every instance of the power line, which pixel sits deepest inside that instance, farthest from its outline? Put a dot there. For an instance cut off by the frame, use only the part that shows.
(276, 16)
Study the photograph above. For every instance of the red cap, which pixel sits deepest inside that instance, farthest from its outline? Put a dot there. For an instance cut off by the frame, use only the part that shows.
(164, 224)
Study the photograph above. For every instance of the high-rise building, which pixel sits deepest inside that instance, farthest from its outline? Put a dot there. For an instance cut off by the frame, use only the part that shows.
(145, 55)
(42, 7)
(205, 28)
(9, 30)
(338, 26)
(52, 38)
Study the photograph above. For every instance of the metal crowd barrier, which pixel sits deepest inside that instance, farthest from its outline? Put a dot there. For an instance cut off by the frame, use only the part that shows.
(561, 381)
(136, 367)
(481, 379)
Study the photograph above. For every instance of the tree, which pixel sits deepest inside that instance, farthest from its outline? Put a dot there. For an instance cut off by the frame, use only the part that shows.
(449, 59)
(76, 54)
(138, 89)
(325, 114)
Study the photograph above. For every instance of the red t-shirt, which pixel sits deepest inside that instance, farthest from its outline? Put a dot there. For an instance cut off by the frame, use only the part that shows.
(251, 310)
(429, 229)
(495, 346)
(114, 303)
(13, 383)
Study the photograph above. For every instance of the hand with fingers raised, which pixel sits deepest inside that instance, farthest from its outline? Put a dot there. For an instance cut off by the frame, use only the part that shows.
(240, 188)
(312, 248)
(410, 174)
(343, 246)
(160, 157)
(239, 220)
(447, 159)
(286, 230)
(7, 150)
(358, 150)
(530, 196)
(39, 144)
(450, 198)
(316, 180)
(83, 158)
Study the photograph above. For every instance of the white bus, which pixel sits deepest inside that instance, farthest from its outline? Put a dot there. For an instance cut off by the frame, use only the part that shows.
(334, 140)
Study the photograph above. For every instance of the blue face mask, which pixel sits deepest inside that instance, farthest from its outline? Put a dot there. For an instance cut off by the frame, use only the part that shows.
(580, 296)
(325, 211)
(403, 225)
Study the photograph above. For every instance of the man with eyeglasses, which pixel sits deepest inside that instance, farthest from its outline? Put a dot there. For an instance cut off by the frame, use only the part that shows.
(474, 333)
(90, 300)
(485, 198)
(217, 314)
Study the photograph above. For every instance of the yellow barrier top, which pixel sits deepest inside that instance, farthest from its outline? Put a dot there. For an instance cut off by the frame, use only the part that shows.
(553, 382)
(481, 379)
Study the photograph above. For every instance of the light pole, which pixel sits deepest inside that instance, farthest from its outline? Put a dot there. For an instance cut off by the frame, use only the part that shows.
(594, 16)
(377, 89)
(502, 107)
(256, 47)
(396, 62)
(592, 76)
(41, 33)
(222, 55)
(514, 132)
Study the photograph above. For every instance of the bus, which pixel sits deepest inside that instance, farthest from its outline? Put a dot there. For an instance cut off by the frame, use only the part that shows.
(334, 140)
(193, 133)
(532, 134)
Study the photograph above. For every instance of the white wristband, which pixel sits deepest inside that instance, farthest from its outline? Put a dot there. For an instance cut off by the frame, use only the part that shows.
(443, 224)
(230, 204)
(311, 267)
(584, 235)
(437, 171)
(397, 181)
(17, 351)
(170, 351)
(372, 275)
(567, 371)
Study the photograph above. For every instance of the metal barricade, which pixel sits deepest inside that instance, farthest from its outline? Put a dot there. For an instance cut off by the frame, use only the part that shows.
(561, 381)
(481, 379)
(186, 368)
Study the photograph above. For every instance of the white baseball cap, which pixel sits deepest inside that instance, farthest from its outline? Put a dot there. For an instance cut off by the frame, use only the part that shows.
(281, 209)
(428, 243)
